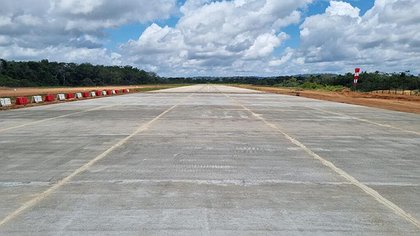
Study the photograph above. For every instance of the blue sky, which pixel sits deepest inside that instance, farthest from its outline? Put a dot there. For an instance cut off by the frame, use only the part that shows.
(126, 32)
(318, 7)
(225, 37)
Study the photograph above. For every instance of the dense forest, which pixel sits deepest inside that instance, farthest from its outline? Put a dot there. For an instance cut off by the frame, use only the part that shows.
(45, 73)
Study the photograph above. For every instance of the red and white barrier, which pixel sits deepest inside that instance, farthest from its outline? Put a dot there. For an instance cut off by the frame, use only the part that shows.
(5, 102)
(70, 96)
(36, 99)
(49, 98)
(61, 97)
(22, 101)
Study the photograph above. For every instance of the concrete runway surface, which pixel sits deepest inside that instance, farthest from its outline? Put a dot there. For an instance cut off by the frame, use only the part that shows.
(209, 160)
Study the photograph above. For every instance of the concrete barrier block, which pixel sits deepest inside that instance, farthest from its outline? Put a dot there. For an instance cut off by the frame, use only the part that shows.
(5, 102)
(49, 98)
(92, 94)
(36, 99)
(70, 96)
(21, 101)
(104, 93)
(79, 95)
(61, 97)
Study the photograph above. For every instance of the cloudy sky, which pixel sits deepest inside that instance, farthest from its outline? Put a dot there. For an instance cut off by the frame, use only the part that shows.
(205, 37)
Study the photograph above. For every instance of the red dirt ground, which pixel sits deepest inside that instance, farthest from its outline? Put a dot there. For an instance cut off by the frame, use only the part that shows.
(10, 92)
(404, 103)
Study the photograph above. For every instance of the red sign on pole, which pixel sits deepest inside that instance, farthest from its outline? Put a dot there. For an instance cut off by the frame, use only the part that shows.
(356, 75)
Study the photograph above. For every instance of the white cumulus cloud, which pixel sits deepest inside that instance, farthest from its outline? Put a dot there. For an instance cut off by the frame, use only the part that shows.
(217, 37)
(70, 30)
(385, 38)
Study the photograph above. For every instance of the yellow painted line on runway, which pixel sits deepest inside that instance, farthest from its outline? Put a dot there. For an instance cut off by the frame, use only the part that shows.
(38, 198)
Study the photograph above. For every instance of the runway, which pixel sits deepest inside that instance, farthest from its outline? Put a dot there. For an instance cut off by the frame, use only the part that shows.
(209, 160)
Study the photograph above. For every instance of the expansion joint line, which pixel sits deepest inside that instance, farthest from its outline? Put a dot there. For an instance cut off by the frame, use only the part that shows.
(365, 120)
(53, 118)
(373, 193)
(41, 196)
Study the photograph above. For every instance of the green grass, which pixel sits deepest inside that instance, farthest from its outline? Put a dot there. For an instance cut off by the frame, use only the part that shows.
(313, 86)
(158, 87)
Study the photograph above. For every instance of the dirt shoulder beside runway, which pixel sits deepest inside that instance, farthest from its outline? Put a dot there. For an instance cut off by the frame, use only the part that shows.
(31, 91)
(404, 103)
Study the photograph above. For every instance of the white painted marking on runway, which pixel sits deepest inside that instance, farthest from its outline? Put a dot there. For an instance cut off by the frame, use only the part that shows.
(373, 193)
(83, 168)
(53, 118)
(365, 120)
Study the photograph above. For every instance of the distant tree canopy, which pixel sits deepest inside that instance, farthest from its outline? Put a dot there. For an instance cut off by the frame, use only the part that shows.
(367, 81)
(45, 73)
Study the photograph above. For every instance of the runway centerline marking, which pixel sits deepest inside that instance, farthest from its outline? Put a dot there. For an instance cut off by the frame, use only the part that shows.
(53, 118)
(373, 193)
(32, 202)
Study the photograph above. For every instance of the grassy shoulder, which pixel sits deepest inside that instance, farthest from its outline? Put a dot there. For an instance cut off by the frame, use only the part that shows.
(320, 87)
(404, 103)
(158, 87)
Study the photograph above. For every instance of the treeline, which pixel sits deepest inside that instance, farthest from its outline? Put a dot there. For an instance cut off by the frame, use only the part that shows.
(367, 81)
(45, 73)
